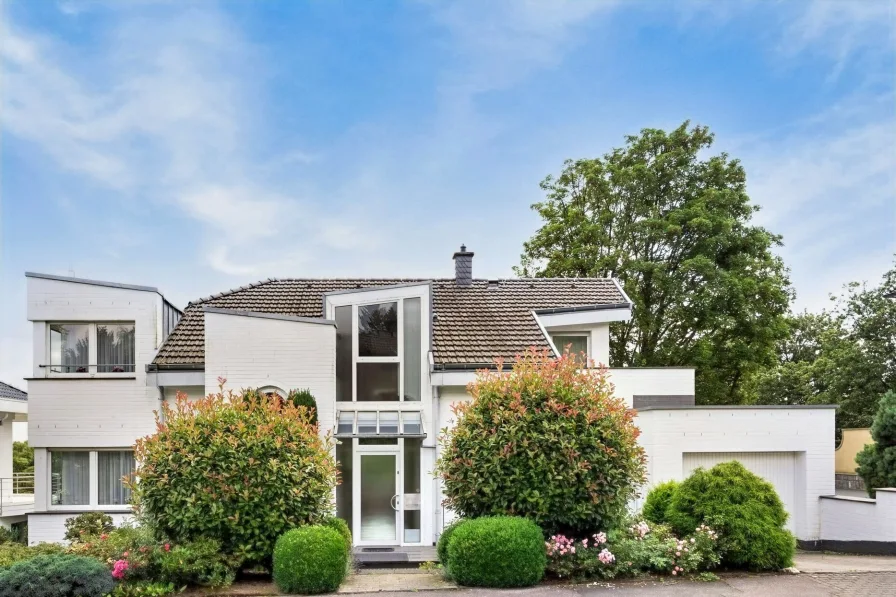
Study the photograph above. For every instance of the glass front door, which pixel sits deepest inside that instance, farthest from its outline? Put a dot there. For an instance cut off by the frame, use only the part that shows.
(378, 521)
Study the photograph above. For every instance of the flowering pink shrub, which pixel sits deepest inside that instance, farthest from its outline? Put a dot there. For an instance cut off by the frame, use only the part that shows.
(119, 569)
(639, 549)
(568, 558)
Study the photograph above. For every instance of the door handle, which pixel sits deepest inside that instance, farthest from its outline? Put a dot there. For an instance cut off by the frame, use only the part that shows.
(394, 502)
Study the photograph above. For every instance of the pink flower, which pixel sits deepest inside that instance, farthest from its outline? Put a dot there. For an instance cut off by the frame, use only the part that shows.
(119, 568)
(600, 538)
(104, 536)
(674, 573)
(125, 554)
(167, 547)
(606, 557)
(677, 554)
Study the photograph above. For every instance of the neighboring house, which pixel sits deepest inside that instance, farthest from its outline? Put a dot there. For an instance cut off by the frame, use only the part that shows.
(16, 491)
(385, 358)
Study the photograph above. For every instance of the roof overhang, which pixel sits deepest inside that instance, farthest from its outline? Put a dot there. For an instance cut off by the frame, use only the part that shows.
(174, 378)
(586, 315)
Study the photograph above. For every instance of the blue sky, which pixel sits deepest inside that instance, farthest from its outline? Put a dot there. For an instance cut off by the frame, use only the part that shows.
(198, 146)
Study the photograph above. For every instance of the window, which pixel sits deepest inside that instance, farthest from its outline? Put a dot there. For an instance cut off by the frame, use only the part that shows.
(90, 478)
(577, 345)
(69, 347)
(70, 478)
(115, 348)
(112, 467)
(378, 330)
(379, 351)
(88, 348)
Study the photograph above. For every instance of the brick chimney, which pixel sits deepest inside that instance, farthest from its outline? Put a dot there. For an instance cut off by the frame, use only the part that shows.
(463, 267)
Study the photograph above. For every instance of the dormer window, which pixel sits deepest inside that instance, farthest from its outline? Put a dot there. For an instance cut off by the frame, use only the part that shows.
(90, 348)
(576, 343)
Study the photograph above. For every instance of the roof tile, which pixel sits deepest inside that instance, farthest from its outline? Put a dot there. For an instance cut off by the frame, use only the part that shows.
(473, 324)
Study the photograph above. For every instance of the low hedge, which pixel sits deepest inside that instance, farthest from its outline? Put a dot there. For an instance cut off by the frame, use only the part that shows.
(444, 540)
(745, 510)
(497, 551)
(310, 560)
(56, 576)
(341, 527)
(657, 502)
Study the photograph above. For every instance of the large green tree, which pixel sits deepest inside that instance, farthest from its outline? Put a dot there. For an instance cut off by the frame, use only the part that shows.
(844, 356)
(673, 224)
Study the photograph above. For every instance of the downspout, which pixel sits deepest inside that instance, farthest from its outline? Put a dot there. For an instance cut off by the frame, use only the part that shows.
(161, 404)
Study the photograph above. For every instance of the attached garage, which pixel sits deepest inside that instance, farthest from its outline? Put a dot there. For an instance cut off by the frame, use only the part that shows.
(790, 446)
(778, 468)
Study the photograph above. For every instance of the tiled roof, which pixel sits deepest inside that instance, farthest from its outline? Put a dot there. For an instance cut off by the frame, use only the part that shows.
(9, 392)
(472, 325)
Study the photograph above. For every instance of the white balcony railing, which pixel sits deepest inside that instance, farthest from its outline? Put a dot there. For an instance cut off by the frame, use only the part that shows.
(17, 490)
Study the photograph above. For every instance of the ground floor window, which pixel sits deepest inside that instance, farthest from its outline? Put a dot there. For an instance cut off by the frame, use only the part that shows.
(90, 477)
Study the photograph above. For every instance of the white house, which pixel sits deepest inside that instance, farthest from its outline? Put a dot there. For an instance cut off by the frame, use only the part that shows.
(385, 359)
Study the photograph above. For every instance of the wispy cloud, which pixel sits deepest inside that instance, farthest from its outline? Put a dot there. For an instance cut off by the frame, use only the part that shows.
(166, 113)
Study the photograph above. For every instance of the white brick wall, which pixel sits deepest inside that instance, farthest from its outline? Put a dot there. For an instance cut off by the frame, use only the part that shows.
(254, 352)
(663, 381)
(50, 528)
(857, 519)
(807, 432)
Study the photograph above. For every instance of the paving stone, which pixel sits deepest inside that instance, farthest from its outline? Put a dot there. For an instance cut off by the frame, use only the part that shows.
(367, 580)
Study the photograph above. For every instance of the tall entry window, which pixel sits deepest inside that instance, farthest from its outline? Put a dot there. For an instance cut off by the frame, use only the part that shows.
(379, 351)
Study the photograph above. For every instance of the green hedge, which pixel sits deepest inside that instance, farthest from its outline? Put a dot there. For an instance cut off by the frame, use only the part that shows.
(56, 576)
(444, 539)
(341, 527)
(657, 502)
(497, 551)
(310, 560)
(744, 509)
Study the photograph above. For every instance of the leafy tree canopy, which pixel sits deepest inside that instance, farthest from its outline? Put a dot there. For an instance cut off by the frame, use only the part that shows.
(673, 224)
(842, 356)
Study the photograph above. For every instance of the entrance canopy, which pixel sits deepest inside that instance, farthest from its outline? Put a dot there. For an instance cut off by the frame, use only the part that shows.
(379, 423)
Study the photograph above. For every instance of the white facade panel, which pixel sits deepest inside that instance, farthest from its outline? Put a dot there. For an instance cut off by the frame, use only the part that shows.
(668, 434)
(857, 519)
(638, 381)
(778, 468)
(89, 413)
(251, 352)
(50, 528)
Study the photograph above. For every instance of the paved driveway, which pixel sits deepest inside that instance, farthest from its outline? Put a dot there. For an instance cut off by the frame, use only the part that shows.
(866, 584)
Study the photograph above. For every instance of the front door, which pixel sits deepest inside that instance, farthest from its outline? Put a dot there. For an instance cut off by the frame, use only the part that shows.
(377, 516)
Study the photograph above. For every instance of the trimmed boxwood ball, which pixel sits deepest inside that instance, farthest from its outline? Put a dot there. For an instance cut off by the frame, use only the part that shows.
(745, 510)
(310, 560)
(657, 501)
(56, 576)
(341, 527)
(444, 539)
(497, 551)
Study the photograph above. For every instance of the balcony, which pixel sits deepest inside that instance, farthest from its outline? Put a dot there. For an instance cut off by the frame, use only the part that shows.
(17, 494)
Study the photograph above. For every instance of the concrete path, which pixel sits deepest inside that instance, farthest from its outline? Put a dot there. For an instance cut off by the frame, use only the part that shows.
(377, 580)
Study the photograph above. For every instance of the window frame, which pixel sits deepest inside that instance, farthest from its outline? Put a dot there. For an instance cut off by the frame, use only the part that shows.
(92, 350)
(93, 481)
(356, 345)
(561, 348)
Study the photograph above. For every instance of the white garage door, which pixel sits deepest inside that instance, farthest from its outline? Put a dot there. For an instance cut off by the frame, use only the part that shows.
(778, 468)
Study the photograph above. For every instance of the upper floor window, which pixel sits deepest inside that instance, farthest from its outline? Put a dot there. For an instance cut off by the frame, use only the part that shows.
(379, 351)
(576, 343)
(91, 348)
